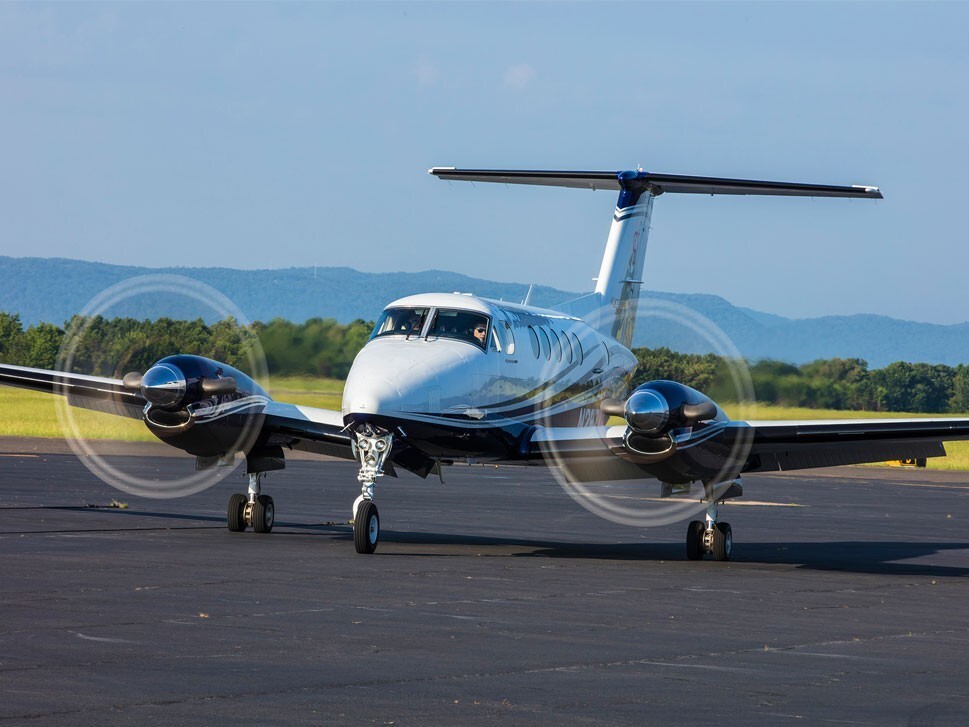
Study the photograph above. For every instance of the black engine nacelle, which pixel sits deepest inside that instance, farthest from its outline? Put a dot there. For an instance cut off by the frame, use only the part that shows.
(204, 407)
(656, 409)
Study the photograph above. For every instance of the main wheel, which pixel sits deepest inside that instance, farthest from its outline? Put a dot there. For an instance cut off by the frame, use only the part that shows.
(263, 514)
(236, 516)
(694, 539)
(722, 542)
(366, 528)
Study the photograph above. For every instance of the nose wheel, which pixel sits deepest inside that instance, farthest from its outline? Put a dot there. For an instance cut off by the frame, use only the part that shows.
(366, 528)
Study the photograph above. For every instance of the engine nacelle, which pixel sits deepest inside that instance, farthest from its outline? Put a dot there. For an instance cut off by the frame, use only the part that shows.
(204, 407)
(658, 408)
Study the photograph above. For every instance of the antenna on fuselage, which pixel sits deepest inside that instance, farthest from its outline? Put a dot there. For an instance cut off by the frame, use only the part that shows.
(612, 307)
(527, 300)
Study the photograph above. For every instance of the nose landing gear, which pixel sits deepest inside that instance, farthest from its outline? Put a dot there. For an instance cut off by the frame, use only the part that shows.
(371, 447)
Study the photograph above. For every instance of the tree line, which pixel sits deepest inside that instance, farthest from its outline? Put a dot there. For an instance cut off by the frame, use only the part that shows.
(836, 383)
(113, 347)
(323, 347)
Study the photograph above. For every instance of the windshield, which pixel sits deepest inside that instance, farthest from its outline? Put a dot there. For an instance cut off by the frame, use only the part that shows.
(400, 322)
(464, 325)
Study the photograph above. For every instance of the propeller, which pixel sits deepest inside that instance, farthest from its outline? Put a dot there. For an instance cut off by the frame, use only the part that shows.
(642, 472)
(647, 410)
(199, 406)
(164, 385)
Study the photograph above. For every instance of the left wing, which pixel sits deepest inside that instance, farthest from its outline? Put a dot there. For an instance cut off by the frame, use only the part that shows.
(790, 445)
(596, 453)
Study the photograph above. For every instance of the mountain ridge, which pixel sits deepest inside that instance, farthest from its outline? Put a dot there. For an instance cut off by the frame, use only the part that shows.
(54, 289)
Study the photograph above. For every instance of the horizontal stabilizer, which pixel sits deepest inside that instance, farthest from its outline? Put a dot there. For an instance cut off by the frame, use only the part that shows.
(657, 183)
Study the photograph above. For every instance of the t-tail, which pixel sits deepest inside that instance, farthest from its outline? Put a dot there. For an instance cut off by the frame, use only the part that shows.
(612, 307)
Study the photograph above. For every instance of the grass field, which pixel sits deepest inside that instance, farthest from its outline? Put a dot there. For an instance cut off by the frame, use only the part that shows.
(31, 414)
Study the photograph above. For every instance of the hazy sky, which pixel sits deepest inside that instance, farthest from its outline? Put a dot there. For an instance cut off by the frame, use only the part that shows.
(280, 135)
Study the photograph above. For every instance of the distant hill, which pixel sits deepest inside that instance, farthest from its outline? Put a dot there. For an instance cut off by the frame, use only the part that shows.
(52, 290)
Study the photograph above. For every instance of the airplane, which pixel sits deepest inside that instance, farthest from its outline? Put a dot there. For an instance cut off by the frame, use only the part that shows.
(449, 378)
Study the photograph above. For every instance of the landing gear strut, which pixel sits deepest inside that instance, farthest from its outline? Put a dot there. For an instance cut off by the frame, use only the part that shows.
(371, 448)
(252, 509)
(715, 538)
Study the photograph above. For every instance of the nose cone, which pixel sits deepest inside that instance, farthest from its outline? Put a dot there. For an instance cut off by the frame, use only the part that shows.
(389, 377)
(163, 385)
(370, 395)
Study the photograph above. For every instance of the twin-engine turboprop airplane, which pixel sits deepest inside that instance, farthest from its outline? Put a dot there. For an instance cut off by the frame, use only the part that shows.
(449, 378)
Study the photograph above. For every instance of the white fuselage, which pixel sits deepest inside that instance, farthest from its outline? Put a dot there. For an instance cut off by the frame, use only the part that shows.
(534, 367)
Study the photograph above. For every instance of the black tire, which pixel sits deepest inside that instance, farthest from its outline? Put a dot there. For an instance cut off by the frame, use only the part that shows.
(366, 528)
(263, 514)
(722, 541)
(236, 517)
(694, 539)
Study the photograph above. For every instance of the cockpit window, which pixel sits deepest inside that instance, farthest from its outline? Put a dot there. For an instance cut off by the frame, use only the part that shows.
(461, 324)
(401, 322)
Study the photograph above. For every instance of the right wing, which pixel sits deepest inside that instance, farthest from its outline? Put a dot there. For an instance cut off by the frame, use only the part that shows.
(89, 392)
(307, 428)
(288, 425)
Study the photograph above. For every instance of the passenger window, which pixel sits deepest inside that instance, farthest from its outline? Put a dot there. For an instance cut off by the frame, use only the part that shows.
(546, 344)
(534, 339)
(509, 339)
(556, 344)
(567, 347)
(578, 347)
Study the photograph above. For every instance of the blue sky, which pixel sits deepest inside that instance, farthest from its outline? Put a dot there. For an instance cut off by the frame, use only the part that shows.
(260, 136)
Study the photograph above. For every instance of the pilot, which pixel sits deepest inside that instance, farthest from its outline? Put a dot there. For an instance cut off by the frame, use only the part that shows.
(479, 332)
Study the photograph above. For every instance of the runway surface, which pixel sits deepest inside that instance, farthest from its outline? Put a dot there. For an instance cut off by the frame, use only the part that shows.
(493, 596)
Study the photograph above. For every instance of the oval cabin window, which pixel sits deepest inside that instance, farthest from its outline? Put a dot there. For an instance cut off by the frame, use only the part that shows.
(533, 337)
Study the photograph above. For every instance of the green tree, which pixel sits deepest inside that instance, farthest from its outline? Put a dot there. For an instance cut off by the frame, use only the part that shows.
(41, 344)
(11, 338)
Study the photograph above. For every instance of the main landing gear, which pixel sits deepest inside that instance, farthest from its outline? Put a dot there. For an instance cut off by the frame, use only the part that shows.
(715, 538)
(371, 448)
(253, 509)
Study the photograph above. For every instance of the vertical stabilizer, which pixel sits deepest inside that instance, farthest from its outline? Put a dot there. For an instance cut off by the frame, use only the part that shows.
(621, 273)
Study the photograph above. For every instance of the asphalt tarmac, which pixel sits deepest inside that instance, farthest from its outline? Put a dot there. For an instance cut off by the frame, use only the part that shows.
(493, 597)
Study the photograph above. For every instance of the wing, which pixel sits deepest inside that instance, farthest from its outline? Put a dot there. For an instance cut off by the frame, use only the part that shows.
(89, 392)
(288, 425)
(789, 445)
(307, 428)
(596, 453)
